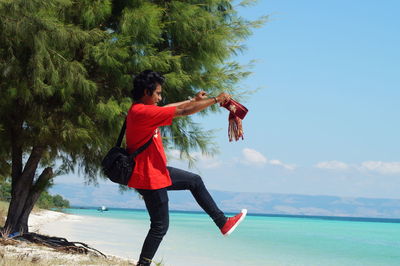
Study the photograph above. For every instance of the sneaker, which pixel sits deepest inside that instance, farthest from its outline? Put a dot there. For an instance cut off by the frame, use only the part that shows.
(233, 222)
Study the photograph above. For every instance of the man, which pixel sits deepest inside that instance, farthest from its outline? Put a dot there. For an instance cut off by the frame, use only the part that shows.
(151, 176)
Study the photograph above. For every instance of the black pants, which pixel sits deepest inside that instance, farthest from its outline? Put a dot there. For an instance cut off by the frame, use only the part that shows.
(157, 205)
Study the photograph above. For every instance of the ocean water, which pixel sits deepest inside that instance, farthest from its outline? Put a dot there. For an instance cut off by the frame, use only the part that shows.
(194, 240)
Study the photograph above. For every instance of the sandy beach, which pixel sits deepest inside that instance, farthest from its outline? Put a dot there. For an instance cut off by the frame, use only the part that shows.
(41, 218)
(98, 233)
(193, 240)
(72, 227)
(123, 238)
(120, 238)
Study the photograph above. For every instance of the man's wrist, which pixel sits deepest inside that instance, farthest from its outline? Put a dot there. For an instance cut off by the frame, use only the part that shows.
(215, 99)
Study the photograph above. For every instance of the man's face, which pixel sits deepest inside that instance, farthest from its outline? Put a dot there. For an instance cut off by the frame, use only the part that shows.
(155, 98)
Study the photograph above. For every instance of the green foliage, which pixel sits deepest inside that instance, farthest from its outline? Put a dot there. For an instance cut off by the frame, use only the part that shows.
(192, 43)
(66, 71)
(47, 201)
(5, 190)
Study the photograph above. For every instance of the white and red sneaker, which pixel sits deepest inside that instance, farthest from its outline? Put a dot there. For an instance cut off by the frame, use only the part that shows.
(233, 222)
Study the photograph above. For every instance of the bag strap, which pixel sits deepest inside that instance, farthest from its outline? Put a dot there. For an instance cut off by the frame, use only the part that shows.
(121, 134)
(141, 148)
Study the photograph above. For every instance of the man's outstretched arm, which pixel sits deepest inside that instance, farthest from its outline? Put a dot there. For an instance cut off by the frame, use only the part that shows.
(198, 105)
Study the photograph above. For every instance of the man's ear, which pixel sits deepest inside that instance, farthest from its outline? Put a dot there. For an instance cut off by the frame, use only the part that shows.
(147, 92)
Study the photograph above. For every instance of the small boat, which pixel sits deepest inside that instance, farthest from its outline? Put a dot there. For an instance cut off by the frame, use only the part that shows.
(102, 209)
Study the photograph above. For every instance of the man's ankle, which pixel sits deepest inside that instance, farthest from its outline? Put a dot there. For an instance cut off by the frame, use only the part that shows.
(144, 262)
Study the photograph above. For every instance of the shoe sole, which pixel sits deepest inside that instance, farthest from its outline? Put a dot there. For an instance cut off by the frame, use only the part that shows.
(244, 212)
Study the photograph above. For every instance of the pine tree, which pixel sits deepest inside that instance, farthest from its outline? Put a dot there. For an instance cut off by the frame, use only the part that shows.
(48, 104)
(66, 72)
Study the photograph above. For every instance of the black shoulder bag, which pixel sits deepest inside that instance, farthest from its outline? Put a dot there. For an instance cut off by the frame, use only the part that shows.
(118, 164)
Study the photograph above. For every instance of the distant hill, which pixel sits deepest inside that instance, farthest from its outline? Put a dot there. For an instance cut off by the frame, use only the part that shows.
(267, 203)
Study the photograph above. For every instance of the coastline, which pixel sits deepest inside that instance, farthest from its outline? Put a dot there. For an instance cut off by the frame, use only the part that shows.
(108, 235)
(58, 224)
(194, 240)
(40, 218)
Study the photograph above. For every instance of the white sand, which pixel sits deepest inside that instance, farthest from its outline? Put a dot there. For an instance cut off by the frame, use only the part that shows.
(124, 238)
(74, 228)
(39, 219)
(98, 233)
(61, 225)
(25, 250)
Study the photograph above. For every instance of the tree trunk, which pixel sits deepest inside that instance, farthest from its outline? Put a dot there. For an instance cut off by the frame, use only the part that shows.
(34, 195)
(13, 222)
(22, 185)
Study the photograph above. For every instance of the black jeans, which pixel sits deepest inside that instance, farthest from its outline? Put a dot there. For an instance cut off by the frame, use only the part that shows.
(157, 205)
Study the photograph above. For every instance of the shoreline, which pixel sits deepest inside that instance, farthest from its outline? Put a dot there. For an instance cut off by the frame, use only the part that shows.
(346, 218)
(122, 239)
(41, 218)
(57, 224)
(194, 239)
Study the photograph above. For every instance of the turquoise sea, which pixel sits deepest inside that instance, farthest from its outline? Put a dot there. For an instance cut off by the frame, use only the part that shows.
(193, 239)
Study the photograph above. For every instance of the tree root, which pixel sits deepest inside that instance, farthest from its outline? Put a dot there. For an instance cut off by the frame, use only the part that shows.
(60, 244)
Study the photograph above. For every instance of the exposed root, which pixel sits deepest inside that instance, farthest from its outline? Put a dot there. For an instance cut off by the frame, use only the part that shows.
(58, 243)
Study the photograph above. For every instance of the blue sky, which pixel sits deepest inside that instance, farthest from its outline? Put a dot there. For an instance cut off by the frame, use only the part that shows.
(326, 119)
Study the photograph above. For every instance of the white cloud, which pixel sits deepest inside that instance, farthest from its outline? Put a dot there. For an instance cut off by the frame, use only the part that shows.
(254, 157)
(385, 168)
(202, 160)
(381, 167)
(333, 165)
(277, 162)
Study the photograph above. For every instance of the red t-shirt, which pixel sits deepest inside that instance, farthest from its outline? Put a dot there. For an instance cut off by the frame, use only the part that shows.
(151, 165)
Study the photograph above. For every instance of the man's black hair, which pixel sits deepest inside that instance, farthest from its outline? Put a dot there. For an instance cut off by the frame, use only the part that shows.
(146, 82)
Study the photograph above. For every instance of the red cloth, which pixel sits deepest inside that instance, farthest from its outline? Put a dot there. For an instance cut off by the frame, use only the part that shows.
(151, 165)
(237, 112)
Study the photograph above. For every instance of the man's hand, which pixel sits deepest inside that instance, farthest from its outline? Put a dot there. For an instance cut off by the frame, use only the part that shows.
(200, 103)
(223, 98)
(200, 95)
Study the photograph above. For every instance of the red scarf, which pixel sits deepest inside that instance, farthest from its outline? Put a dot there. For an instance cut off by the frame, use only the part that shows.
(237, 112)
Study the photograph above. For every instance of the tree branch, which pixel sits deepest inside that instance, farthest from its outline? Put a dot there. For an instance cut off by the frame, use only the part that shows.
(34, 195)
(33, 161)
(43, 180)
